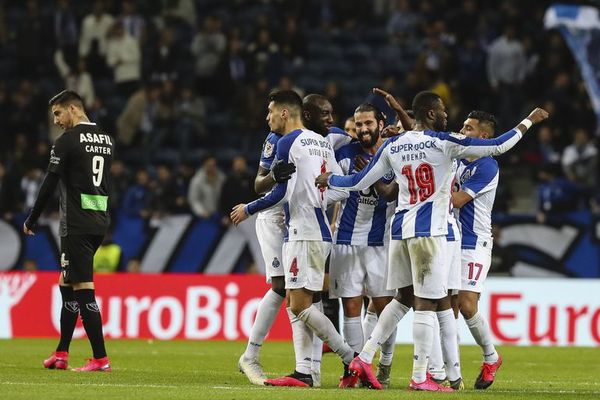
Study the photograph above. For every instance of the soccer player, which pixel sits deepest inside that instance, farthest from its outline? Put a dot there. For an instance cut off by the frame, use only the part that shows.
(478, 180)
(270, 230)
(358, 263)
(421, 160)
(80, 164)
(308, 239)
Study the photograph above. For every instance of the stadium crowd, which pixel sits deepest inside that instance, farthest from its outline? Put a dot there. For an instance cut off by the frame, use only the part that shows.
(182, 85)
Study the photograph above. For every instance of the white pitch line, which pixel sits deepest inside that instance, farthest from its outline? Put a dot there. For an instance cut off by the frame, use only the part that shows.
(94, 384)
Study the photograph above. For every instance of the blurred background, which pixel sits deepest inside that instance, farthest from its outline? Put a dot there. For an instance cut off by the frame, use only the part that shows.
(182, 86)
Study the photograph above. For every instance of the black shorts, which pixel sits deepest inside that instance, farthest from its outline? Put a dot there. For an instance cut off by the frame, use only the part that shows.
(77, 257)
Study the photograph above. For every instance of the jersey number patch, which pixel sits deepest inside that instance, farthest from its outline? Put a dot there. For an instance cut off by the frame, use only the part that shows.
(294, 267)
(422, 181)
(472, 274)
(97, 170)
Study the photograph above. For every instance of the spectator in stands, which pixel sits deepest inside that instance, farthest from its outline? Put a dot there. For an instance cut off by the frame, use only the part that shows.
(547, 149)
(237, 188)
(132, 22)
(507, 67)
(123, 55)
(65, 31)
(180, 10)
(136, 202)
(205, 189)
(166, 198)
(580, 161)
(293, 43)
(555, 193)
(30, 186)
(190, 117)
(93, 41)
(32, 35)
(402, 23)
(208, 48)
(121, 181)
(77, 79)
(138, 119)
(264, 57)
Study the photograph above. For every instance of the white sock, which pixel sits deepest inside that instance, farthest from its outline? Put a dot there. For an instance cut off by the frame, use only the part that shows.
(435, 366)
(387, 349)
(387, 322)
(449, 344)
(323, 328)
(302, 337)
(265, 315)
(317, 346)
(368, 324)
(353, 332)
(423, 325)
(481, 333)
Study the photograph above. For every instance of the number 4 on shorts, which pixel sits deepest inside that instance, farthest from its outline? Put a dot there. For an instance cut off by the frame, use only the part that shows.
(294, 267)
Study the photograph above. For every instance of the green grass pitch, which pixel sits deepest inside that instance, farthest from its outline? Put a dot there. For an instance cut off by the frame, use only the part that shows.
(208, 370)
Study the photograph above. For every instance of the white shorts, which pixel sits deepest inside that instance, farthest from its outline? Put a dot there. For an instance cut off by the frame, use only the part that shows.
(475, 267)
(270, 233)
(454, 258)
(358, 271)
(304, 264)
(421, 262)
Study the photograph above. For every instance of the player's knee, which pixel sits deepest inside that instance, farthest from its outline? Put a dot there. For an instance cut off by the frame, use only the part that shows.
(352, 307)
(467, 308)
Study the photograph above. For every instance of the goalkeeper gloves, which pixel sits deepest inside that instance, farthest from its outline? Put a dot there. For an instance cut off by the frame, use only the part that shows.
(282, 171)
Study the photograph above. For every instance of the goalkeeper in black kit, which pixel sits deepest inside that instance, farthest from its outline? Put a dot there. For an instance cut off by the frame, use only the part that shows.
(79, 164)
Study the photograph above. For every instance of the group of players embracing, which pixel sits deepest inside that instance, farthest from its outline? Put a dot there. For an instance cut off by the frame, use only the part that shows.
(413, 231)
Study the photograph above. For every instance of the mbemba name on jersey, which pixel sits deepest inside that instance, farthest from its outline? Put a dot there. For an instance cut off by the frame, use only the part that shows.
(422, 164)
(304, 204)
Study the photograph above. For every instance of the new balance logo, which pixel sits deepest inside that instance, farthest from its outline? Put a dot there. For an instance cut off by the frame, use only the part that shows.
(92, 307)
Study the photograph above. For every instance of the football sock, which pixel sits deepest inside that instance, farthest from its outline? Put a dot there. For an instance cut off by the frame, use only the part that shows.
(353, 332)
(302, 338)
(435, 366)
(369, 323)
(423, 324)
(267, 311)
(387, 349)
(386, 324)
(68, 317)
(92, 320)
(481, 333)
(448, 330)
(323, 328)
(317, 346)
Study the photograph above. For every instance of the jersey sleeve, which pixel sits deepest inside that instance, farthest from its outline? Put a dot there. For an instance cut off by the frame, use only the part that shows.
(378, 167)
(281, 192)
(269, 150)
(58, 155)
(455, 145)
(479, 182)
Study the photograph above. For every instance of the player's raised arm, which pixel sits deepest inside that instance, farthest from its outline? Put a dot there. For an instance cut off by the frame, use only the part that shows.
(460, 146)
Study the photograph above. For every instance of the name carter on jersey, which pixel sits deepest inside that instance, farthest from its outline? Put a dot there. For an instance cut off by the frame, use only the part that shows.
(96, 138)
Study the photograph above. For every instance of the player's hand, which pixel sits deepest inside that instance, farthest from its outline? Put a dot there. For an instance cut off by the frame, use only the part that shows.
(537, 115)
(322, 180)
(389, 131)
(360, 163)
(282, 171)
(26, 230)
(392, 102)
(238, 214)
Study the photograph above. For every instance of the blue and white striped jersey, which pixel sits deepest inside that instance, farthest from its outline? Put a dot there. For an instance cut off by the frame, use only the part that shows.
(364, 216)
(304, 203)
(422, 165)
(479, 179)
(267, 156)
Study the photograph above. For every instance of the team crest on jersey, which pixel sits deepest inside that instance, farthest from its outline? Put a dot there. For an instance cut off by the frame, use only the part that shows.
(458, 136)
(467, 174)
(276, 263)
(389, 176)
(53, 158)
(268, 150)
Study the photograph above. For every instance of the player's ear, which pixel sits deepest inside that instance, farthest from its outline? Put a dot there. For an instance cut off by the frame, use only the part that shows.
(306, 114)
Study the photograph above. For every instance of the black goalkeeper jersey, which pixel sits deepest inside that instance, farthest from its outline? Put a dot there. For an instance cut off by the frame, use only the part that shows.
(82, 156)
